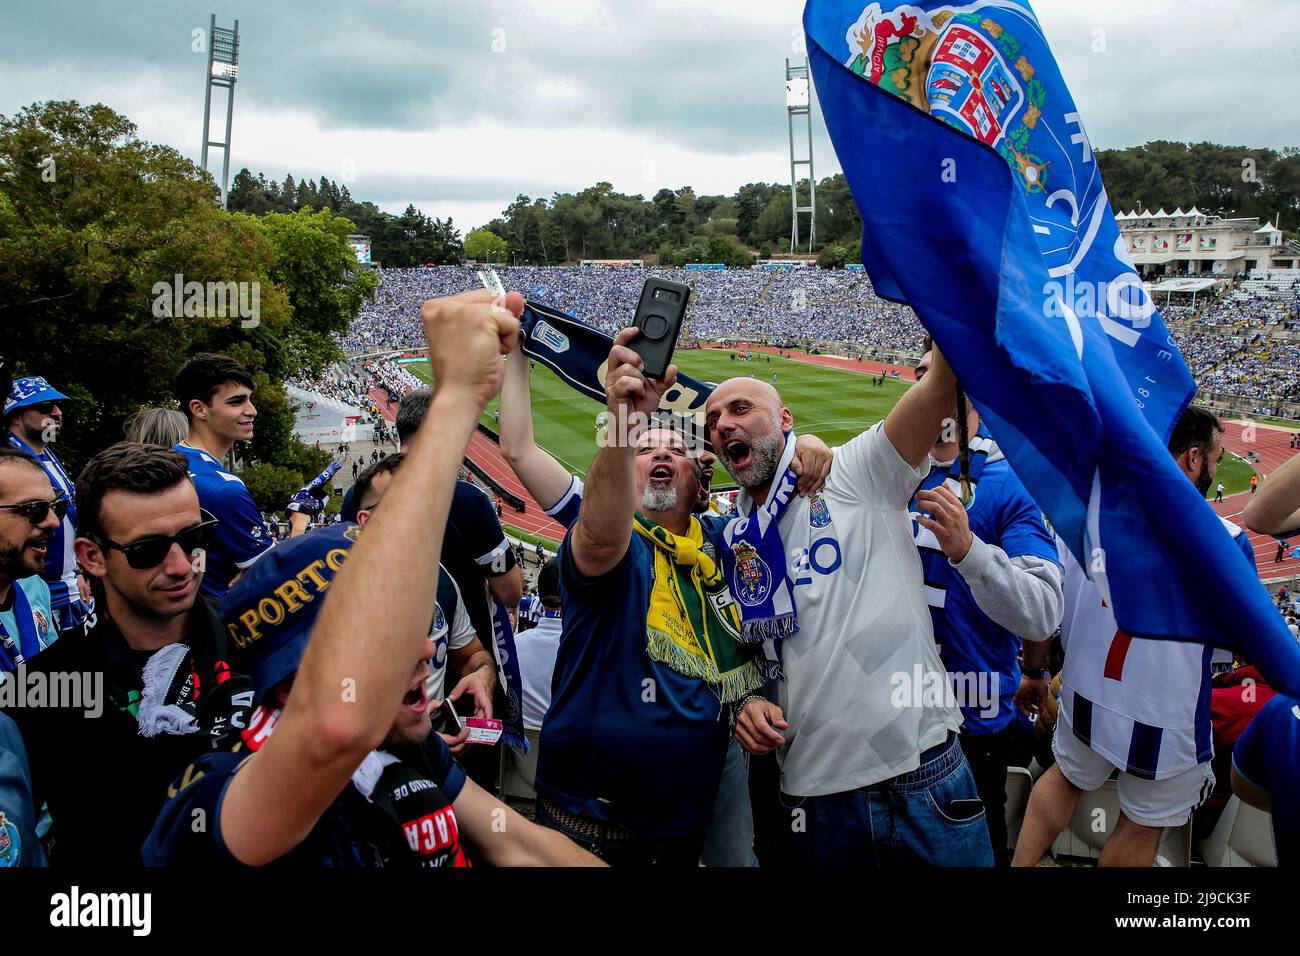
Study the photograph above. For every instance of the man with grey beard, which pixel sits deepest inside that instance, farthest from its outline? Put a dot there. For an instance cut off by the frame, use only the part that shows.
(830, 588)
(633, 746)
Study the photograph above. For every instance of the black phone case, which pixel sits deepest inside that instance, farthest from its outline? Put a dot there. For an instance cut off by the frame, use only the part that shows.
(659, 316)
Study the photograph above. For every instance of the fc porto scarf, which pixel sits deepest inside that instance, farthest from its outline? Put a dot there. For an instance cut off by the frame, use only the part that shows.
(512, 685)
(576, 352)
(29, 642)
(691, 624)
(754, 562)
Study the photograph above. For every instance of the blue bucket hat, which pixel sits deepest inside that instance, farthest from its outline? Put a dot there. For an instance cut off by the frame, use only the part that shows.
(271, 611)
(31, 391)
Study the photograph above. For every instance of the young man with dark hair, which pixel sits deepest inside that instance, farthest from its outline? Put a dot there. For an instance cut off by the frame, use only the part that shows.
(156, 686)
(30, 513)
(34, 420)
(216, 395)
(356, 779)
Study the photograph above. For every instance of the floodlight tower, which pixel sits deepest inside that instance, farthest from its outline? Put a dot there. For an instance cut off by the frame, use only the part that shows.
(798, 102)
(223, 69)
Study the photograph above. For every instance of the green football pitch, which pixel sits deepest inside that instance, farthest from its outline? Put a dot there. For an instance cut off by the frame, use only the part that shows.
(830, 403)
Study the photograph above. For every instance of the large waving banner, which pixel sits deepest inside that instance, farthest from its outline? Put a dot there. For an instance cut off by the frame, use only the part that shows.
(984, 210)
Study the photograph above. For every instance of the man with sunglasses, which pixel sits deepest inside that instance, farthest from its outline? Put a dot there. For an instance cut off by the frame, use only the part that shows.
(29, 517)
(216, 394)
(33, 420)
(154, 656)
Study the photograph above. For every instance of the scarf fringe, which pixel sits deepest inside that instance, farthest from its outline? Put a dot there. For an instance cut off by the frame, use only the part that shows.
(770, 670)
(731, 686)
(778, 628)
(662, 648)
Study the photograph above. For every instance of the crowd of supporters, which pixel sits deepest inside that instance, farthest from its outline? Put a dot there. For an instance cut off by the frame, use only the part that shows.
(669, 706)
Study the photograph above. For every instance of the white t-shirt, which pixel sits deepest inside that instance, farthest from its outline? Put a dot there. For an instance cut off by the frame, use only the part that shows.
(447, 635)
(856, 671)
(536, 649)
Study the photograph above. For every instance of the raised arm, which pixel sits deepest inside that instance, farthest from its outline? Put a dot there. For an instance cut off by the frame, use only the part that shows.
(1275, 506)
(916, 421)
(375, 621)
(544, 477)
(601, 537)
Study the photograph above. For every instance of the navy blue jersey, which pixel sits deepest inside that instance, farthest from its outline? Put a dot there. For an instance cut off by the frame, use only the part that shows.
(241, 536)
(18, 843)
(1268, 756)
(970, 643)
(391, 826)
(626, 738)
(474, 548)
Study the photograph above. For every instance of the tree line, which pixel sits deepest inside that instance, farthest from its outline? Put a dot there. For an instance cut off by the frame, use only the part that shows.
(103, 235)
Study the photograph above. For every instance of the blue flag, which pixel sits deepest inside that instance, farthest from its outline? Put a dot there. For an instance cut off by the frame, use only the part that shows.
(984, 210)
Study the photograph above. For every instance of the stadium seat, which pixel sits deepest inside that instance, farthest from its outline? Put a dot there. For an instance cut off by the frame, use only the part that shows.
(1242, 837)
(1019, 782)
(1094, 819)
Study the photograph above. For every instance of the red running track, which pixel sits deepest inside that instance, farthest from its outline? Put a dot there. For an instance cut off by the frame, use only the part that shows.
(1273, 447)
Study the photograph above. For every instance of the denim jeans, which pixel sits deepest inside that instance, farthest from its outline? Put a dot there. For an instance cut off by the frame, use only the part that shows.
(729, 838)
(633, 851)
(931, 816)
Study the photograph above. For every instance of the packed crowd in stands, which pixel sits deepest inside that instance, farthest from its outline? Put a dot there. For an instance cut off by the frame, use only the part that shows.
(201, 659)
(1223, 340)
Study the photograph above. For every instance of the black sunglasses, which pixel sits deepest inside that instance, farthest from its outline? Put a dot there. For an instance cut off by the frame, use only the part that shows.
(152, 551)
(35, 511)
(43, 407)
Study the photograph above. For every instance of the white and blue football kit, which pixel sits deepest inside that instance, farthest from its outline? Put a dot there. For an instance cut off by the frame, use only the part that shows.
(241, 536)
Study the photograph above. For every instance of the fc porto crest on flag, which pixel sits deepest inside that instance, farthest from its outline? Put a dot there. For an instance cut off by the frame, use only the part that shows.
(752, 581)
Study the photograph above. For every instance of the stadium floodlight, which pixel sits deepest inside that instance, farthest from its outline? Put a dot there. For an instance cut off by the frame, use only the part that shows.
(798, 102)
(223, 70)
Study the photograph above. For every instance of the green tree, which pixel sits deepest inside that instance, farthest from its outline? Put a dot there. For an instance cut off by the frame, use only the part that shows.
(482, 245)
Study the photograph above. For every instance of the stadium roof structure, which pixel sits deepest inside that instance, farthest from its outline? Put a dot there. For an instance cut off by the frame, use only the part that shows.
(1186, 285)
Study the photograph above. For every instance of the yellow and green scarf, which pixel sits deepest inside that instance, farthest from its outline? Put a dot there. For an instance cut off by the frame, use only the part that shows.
(692, 624)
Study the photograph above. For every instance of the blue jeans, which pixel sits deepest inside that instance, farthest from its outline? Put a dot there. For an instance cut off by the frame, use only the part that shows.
(729, 838)
(932, 816)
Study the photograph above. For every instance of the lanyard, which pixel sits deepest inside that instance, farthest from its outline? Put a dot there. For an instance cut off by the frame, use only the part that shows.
(29, 642)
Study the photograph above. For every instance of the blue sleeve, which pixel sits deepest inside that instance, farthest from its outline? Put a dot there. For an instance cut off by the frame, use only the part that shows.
(1021, 530)
(481, 533)
(18, 843)
(188, 829)
(1272, 737)
(241, 534)
(567, 509)
(446, 772)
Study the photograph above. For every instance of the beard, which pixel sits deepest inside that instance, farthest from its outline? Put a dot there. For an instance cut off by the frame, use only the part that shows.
(1203, 481)
(15, 563)
(658, 499)
(765, 453)
(408, 731)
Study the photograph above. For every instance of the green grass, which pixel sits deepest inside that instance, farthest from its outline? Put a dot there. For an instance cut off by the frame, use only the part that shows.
(835, 405)
(1234, 473)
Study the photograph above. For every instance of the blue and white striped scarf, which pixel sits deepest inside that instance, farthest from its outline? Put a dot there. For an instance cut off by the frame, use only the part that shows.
(755, 568)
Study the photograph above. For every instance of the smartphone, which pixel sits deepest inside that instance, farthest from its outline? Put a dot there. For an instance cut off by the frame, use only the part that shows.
(446, 720)
(659, 316)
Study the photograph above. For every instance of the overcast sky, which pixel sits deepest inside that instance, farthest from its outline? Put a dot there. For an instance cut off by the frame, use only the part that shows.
(459, 106)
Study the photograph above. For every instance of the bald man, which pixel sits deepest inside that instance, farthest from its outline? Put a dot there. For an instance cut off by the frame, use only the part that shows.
(863, 728)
